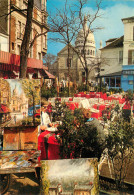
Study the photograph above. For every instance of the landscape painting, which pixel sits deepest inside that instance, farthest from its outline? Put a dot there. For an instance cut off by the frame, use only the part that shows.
(19, 102)
(69, 176)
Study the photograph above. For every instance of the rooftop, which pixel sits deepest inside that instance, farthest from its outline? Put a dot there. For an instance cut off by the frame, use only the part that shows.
(116, 43)
(129, 18)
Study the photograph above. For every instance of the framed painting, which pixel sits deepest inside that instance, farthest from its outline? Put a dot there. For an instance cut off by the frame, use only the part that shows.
(19, 102)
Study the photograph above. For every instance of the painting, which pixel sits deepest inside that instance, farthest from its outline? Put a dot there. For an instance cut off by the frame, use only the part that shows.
(69, 176)
(19, 102)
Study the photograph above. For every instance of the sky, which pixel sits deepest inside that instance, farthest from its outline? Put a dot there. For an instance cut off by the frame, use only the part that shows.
(112, 11)
(15, 83)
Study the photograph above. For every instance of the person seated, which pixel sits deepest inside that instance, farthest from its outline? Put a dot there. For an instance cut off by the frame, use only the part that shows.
(46, 123)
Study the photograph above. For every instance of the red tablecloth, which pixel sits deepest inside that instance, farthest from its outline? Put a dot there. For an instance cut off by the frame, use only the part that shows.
(127, 106)
(96, 115)
(72, 105)
(48, 146)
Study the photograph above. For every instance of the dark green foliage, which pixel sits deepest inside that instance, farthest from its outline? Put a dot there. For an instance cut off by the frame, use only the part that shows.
(119, 143)
(58, 110)
(63, 92)
(83, 87)
(48, 92)
(115, 90)
(129, 96)
(76, 138)
(117, 108)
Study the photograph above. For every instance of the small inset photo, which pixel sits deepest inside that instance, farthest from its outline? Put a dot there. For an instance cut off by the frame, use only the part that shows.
(19, 102)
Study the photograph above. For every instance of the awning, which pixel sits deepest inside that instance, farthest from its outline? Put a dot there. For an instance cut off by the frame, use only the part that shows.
(9, 67)
(50, 76)
(4, 109)
(112, 74)
(13, 59)
(46, 74)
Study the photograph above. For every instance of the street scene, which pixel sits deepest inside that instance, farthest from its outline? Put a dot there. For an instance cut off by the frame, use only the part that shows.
(18, 103)
(66, 97)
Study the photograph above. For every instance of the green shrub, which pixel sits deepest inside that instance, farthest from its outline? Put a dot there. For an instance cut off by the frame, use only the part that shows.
(47, 93)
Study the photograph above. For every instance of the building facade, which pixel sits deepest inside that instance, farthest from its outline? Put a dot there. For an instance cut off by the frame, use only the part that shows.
(75, 71)
(117, 59)
(11, 35)
(127, 78)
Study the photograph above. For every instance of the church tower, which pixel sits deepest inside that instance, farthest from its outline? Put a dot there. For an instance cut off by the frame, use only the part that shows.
(87, 36)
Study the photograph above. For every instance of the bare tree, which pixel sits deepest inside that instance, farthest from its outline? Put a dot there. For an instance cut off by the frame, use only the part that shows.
(70, 20)
(49, 59)
(66, 26)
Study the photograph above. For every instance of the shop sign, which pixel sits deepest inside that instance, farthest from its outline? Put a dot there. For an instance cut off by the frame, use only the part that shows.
(128, 72)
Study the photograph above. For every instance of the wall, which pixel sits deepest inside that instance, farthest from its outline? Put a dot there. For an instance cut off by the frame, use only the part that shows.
(4, 46)
(36, 27)
(128, 39)
(110, 60)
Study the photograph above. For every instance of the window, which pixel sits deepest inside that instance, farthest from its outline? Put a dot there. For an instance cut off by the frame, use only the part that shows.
(120, 57)
(118, 81)
(18, 47)
(23, 28)
(19, 26)
(39, 54)
(83, 74)
(19, 35)
(130, 57)
(130, 82)
(12, 45)
(69, 62)
(82, 51)
(107, 80)
(112, 82)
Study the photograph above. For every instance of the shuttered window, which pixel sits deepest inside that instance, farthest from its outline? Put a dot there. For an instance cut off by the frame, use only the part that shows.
(120, 57)
(130, 57)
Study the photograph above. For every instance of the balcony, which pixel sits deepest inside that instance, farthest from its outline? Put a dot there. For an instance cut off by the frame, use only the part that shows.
(13, 59)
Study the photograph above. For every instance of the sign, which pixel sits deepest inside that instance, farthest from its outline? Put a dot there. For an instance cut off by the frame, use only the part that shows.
(128, 72)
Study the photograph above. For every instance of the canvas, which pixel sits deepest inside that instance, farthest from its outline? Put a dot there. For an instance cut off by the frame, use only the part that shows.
(69, 177)
(19, 102)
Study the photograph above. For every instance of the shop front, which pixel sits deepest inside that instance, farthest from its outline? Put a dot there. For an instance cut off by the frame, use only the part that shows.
(127, 78)
(112, 80)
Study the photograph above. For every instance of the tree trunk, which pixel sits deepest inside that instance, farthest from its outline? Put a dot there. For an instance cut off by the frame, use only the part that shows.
(26, 40)
(68, 63)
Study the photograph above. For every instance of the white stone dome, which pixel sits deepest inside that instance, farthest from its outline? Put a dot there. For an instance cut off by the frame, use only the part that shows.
(81, 37)
(90, 43)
